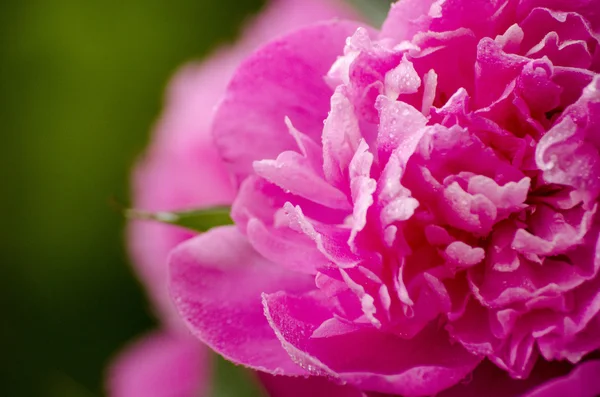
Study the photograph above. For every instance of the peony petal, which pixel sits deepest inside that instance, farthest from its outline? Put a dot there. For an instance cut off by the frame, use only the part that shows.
(216, 282)
(508, 198)
(588, 8)
(408, 17)
(362, 187)
(286, 247)
(483, 17)
(451, 56)
(568, 152)
(567, 26)
(249, 124)
(400, 129)
(583, 381)
(495, 69)
(372, 62)
(313, 386)
(331, 240)
(258, 198)
(292, 172)
(403, 79)
(161, 365)
(576, 334)
(552, 232)
(355, 357)
(490, 381)
(341, 136)
(463, 255)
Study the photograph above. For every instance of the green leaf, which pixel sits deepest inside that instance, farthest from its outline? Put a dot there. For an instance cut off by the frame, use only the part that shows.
(200, 220)
(230, 380)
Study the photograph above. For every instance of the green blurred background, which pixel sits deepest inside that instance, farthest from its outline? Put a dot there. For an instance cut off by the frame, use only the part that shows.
(81, 85)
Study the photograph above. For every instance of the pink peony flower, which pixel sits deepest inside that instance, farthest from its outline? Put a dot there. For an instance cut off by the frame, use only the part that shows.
(182, 170)
(442, 222)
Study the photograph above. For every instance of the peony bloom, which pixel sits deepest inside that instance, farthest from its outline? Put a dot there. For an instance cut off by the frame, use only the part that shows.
(182, 170)
(416, 207)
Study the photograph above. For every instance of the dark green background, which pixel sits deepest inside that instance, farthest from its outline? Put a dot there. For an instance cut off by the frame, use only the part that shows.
(81, 84)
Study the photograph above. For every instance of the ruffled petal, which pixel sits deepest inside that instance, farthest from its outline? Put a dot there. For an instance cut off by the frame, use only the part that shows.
(286, 247)
(408, 17)
(583, 381)
(355, 355)
(587, 8)
(216, 282)
(490, 381)
(568, 152)
(341, 136)
(284, 78)
(313, 386)
(293, 174)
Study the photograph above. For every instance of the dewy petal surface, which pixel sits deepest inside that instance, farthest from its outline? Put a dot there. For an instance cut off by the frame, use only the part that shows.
(300, 386)
(250, 124)
(216, 282)
(354, 355)
(451, 216)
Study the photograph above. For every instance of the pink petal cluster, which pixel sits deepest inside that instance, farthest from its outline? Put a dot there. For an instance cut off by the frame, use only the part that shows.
(182, 170)
(414, 204)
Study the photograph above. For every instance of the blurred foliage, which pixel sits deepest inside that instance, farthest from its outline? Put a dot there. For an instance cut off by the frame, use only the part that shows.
(81, 84)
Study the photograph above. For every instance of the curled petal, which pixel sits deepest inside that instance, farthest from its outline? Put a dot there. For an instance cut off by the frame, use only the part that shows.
(248, 109)
(582, 382)
(355, 356)
(216, 282)
(314, 386)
